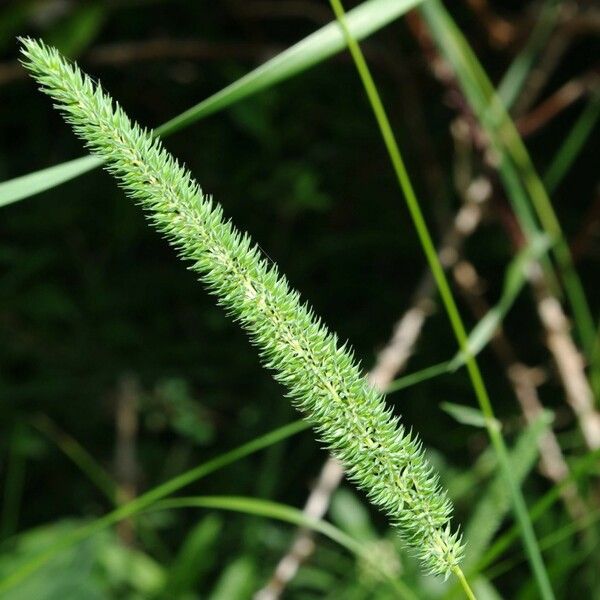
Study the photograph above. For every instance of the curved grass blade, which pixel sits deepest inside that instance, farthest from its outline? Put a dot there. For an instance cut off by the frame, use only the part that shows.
(146, 500)
(288, 514)
(28, 185)
(312, 50)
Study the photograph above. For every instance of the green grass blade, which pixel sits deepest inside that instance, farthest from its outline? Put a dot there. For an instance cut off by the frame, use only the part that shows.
(419, 376)
(429, 249)
(364, 20)
(28, 185)
(317, 47)
(195, 558)
(288, 514)
(517, 73)
(146, 500)
(515, 166)
(572, 144)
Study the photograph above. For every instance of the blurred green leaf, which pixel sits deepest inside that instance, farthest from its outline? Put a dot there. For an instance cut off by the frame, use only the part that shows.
(78, 30)
(195, 558)
(467, 415)
(351, 516)
(237, 582)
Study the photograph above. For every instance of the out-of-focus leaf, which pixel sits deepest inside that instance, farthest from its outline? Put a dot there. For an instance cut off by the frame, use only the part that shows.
(195, 557)
(79, 29)
(237, 581)
(467, 415)
(351, 516)
(129, 568)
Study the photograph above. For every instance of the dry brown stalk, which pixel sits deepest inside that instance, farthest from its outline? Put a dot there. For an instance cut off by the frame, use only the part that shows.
(568, 359)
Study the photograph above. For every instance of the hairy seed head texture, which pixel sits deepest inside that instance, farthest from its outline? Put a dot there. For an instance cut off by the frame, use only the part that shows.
(322, 377)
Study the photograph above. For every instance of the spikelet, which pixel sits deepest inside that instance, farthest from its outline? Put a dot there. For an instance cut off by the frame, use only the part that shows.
(321, 376)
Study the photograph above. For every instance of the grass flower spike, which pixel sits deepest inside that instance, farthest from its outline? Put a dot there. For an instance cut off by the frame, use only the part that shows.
(321, 376)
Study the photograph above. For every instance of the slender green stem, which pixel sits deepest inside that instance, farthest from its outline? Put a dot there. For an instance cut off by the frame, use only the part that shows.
(464, 583)
(479, 387)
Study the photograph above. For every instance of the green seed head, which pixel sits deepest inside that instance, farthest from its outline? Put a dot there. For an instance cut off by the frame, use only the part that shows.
(321, 376)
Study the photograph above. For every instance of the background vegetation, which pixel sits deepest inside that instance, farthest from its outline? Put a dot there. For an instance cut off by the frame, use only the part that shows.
(119, 373)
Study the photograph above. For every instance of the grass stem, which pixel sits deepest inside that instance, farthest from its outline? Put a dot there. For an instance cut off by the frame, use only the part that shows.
(475, 375)
(464, 583)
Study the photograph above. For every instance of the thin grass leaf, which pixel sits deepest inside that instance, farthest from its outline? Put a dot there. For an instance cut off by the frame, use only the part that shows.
(236, 581)
(28, 185)
(419, 376)
(466, 415)
(149, 498)
(288, 514)
(364, 20)
(195, 558)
